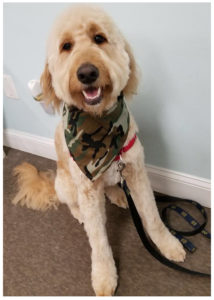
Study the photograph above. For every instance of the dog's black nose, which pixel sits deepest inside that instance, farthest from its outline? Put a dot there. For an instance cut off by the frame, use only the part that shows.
(87, 73)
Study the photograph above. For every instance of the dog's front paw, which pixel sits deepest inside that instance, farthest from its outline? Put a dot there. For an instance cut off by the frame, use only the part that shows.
(104, 279)
(173, 249)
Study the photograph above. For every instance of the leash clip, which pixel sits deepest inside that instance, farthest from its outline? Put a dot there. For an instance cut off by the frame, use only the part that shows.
(120, 167)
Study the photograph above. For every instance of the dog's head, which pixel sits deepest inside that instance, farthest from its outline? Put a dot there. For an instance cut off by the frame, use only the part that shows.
(88, 61)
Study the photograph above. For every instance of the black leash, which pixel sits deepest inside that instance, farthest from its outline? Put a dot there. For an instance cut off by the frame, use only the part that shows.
(139, 226)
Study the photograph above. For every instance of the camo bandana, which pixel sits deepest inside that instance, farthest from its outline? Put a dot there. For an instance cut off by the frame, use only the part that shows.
(94, 141)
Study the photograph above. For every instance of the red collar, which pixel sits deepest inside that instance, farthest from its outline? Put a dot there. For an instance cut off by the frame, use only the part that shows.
(126, 148)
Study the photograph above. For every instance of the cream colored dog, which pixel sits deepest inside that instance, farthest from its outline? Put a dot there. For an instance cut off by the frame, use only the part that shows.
(82, 36)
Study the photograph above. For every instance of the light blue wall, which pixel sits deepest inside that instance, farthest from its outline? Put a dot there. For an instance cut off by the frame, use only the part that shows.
(171, 42)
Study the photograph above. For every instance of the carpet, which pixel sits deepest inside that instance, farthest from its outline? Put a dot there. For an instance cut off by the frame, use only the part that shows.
(48, 254)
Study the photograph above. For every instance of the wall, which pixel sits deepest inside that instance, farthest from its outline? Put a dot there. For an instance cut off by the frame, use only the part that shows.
(171, 42)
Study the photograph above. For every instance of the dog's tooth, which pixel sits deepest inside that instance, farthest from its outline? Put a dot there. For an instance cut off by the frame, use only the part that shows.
(85, 94)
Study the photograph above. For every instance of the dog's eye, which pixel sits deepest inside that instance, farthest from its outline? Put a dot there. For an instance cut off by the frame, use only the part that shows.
(67, 46)
(99, 39)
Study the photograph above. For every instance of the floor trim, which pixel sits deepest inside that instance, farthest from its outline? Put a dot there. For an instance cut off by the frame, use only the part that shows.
(180, 184)
(162, 180)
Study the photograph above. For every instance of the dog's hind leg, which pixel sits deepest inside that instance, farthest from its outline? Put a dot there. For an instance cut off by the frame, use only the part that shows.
(116, 195)
(92, 206)
(143, 197)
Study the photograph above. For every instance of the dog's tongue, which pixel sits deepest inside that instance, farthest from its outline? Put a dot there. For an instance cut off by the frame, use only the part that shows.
(91, 93)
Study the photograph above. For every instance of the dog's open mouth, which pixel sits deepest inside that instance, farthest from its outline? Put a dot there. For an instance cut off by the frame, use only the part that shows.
(92, 95)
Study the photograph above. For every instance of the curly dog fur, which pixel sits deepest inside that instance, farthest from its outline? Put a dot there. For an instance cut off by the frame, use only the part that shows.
(76, 28)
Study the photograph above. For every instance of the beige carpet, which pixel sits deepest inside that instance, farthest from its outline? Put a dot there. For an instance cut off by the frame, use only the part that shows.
(48, 254)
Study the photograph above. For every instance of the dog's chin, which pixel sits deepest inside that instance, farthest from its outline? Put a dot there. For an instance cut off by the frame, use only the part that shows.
(92, 95)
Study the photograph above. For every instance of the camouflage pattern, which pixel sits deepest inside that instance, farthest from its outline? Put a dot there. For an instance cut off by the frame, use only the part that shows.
(94, 141)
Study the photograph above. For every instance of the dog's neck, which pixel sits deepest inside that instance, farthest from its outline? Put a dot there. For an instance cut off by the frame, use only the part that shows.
(95, 141)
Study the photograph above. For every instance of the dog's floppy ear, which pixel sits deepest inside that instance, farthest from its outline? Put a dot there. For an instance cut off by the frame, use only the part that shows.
(132, 84)
(47, 89)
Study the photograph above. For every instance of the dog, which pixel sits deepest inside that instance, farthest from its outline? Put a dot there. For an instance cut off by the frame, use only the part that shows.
(89, 66)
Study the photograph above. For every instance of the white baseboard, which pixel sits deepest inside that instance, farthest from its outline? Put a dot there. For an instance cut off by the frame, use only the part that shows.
(180, 185)
(162, 180)
(30, 143)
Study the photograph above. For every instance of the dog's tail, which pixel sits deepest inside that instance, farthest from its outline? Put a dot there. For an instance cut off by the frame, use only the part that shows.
(35, 188)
